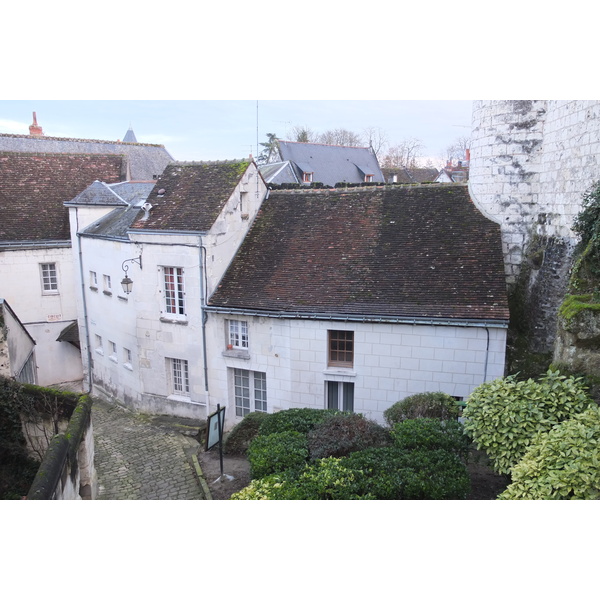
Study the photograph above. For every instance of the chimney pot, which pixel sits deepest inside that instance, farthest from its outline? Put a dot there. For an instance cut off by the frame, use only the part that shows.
(34, 128)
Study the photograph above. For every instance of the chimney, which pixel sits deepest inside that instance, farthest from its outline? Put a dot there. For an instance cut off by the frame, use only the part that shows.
(468, 154)
(34, 128)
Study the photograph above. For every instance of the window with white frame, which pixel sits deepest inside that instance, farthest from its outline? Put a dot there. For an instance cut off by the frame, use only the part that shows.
(237, 334)
(127, 359)
(174, 292)
(112, 348)
(107, 284)
(307, 177)
(368, 178)
(49, 278)
(339, 395)
(93, 280)
(250, 391)
(99, 348)
(180, 378)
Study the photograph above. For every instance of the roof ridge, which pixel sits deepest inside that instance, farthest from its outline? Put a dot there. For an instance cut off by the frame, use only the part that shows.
(48, 137)
(328, 145)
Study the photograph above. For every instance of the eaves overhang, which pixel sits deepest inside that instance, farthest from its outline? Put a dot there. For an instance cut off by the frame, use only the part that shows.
(404, 320)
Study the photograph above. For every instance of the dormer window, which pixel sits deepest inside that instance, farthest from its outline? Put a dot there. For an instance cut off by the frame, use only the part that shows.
(307, 177)
(368, 178)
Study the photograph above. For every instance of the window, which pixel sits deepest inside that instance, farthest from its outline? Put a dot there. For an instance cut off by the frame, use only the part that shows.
(368, 178)
(174, 294)
(238, 334)
(180, 379)
(113, 351)
(341, 349)
(107, 285)
(250, 390)
(93, 280)
(340, 395)
(99, 349)
(307, 177)
(49, 278)
(127, 358)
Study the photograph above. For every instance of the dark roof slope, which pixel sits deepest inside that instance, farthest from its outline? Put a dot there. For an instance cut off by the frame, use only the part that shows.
(190, 196)
(35, 186)
(414, 252)
(331, 164)
(414, 175)
(145, 161)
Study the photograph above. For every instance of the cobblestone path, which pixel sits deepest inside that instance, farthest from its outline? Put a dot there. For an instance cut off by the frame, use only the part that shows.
(138, 460)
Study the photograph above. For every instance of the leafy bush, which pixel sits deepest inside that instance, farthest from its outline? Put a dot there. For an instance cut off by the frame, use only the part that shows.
(326, 479)
(294, 419)
(243, 433)
(431, 434)
(277, 452)
(561, 464)
(428, 405)
(503, 415)
(343, 433)
(399, 474)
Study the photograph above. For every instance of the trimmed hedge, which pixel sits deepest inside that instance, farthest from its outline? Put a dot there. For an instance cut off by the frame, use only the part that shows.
(277, 452)
(294, 419)
(427, 405)
(341, 434)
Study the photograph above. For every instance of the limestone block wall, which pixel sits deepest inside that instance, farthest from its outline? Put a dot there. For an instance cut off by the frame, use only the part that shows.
(391, 361)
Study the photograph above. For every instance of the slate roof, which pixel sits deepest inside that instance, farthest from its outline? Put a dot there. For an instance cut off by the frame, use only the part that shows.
(414, 252)
(33, 188)
(145, 161)
(279, 172)
(331, 164)
(190, 196)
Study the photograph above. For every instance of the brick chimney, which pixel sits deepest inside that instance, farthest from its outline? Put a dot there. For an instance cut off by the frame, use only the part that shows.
(34, 128)
(468, 155)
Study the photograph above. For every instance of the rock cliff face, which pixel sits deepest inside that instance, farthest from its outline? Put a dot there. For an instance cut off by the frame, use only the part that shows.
(578, 341)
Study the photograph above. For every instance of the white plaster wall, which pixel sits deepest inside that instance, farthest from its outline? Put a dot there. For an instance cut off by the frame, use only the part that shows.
(19, 344)
(43, 315)
(392, 361)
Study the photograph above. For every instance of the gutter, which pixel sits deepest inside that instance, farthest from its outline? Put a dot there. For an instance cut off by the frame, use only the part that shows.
(492, 323)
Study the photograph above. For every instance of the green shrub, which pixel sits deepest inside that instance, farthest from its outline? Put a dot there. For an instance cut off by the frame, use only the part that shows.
(277, 452)
(503, 415)
(341, 434)
(428, 405)
(399, 474)
(561, 464)
(431, 434)
(243, 433)
(326, 479)
(294, 419)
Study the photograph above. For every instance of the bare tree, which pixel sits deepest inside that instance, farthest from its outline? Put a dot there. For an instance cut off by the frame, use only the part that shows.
(301, 133)
(458, 149)
(340, 137)
(377, 140)
(404, 154)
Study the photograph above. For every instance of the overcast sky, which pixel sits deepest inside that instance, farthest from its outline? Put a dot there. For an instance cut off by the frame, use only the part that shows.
(226, 129)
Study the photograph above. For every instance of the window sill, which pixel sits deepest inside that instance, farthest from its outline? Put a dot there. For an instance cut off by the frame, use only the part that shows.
(127, 366)
(174, 320)
(339, 372)
(243, 354)
(124, 298)
(113, 359)
(98, 351)
(107, 293)
(93, 288)
(185, 399)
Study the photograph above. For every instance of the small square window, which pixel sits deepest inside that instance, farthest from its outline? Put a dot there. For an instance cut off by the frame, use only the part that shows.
(341, 349)
(107, 285)
(307, 177)
(112, 347)
(340, 395)
(49, 278)
(93, 280)
(99, 347)
(238, 334)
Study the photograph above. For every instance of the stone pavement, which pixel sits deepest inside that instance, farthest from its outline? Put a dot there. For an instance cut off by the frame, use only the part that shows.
(140, 457)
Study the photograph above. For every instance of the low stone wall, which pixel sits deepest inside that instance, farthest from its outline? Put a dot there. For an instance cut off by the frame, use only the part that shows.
(67, 471)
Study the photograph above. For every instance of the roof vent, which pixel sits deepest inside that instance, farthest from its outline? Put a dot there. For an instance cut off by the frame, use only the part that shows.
(161, 192)
(146, 207)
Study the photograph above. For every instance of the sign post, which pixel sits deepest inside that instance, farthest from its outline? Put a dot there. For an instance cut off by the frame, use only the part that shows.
(214, 435)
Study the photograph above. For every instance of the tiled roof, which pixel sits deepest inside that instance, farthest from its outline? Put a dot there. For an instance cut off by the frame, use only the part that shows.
(145, 161)
(35, 186)
(404, 251)
(331, 164)
(405, 175)
(190, 196)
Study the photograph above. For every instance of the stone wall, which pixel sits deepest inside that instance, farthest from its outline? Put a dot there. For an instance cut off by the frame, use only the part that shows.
(531, 163)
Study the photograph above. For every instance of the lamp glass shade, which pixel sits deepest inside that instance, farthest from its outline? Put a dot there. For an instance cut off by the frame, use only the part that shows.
(127, 284)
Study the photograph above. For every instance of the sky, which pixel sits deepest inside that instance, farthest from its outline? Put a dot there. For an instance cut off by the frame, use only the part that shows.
(196, 130)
